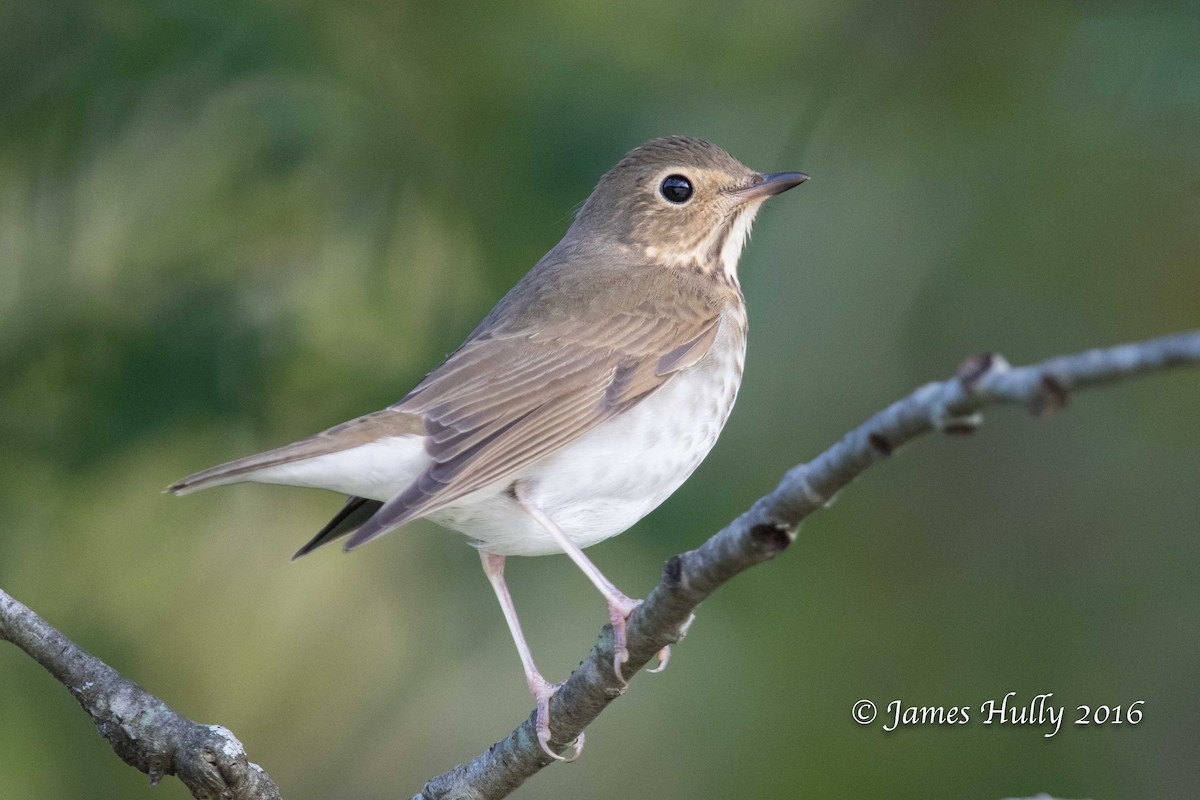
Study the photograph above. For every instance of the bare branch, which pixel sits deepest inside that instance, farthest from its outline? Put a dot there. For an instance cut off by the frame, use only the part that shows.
(143, 730)
(770, 526)
(157, 740)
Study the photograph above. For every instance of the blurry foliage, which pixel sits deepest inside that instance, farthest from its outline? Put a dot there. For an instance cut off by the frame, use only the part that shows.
(224, 225)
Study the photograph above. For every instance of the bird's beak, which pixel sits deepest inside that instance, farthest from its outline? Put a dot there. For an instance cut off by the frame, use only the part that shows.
(769, 185)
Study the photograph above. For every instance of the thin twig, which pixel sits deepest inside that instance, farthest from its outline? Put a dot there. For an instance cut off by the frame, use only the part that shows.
(143, 730)
(770, 526)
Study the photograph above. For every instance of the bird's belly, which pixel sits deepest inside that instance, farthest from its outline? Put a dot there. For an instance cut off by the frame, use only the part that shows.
(608, 479)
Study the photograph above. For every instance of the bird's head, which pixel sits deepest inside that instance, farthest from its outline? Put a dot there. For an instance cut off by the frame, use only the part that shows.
(682, 202)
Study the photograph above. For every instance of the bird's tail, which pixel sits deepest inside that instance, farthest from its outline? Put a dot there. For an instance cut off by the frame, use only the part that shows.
(243, 469)
(388, 424)
(352, 516)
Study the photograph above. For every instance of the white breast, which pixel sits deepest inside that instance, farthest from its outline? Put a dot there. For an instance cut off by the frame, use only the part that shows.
(604, 482)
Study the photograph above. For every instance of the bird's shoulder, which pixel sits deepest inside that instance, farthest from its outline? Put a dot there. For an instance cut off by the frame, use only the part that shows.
(575, 293)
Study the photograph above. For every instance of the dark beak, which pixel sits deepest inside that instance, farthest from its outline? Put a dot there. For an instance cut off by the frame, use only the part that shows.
(769, 185)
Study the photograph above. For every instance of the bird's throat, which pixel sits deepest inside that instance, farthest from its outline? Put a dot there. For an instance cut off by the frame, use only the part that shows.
(736, 234)
(716, 254)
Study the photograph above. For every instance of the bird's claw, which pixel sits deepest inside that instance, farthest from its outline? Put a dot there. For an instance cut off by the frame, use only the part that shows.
(664, 656)
(618, 613)
(542, 692)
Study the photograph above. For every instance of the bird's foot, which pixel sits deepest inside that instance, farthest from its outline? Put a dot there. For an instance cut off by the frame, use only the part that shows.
(542, 691)
(619, 609)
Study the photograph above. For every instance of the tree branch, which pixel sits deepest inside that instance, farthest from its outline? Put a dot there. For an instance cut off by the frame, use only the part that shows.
(771, 523)
(143, 730)
(149, 735)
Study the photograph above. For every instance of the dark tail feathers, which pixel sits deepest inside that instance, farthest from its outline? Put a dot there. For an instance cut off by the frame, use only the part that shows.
(356, 511)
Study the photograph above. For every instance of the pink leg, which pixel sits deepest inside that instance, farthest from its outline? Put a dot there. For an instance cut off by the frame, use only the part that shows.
(541, 689)
(619, 605)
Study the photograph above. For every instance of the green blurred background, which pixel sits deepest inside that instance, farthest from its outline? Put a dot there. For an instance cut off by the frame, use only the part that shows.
(226, 225)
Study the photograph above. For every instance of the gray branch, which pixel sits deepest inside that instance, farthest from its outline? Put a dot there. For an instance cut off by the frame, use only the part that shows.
(149, 735)
(771, 524)
(143, 730)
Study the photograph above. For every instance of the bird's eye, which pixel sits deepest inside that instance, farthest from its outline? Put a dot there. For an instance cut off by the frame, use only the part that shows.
(676, 188)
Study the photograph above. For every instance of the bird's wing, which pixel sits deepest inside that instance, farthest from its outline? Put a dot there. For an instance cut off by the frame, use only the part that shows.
(503, 402)
(359, 431)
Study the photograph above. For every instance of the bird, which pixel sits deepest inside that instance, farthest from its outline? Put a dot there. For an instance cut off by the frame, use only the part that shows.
(584, 399)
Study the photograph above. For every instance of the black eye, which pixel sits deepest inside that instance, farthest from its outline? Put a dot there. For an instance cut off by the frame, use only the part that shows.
(676, 188)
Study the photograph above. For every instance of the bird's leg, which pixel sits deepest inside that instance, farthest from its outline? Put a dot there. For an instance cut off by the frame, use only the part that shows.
(542, 690)
(619, 605)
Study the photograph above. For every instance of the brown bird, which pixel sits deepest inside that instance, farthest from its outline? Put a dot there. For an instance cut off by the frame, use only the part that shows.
(583, 400)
